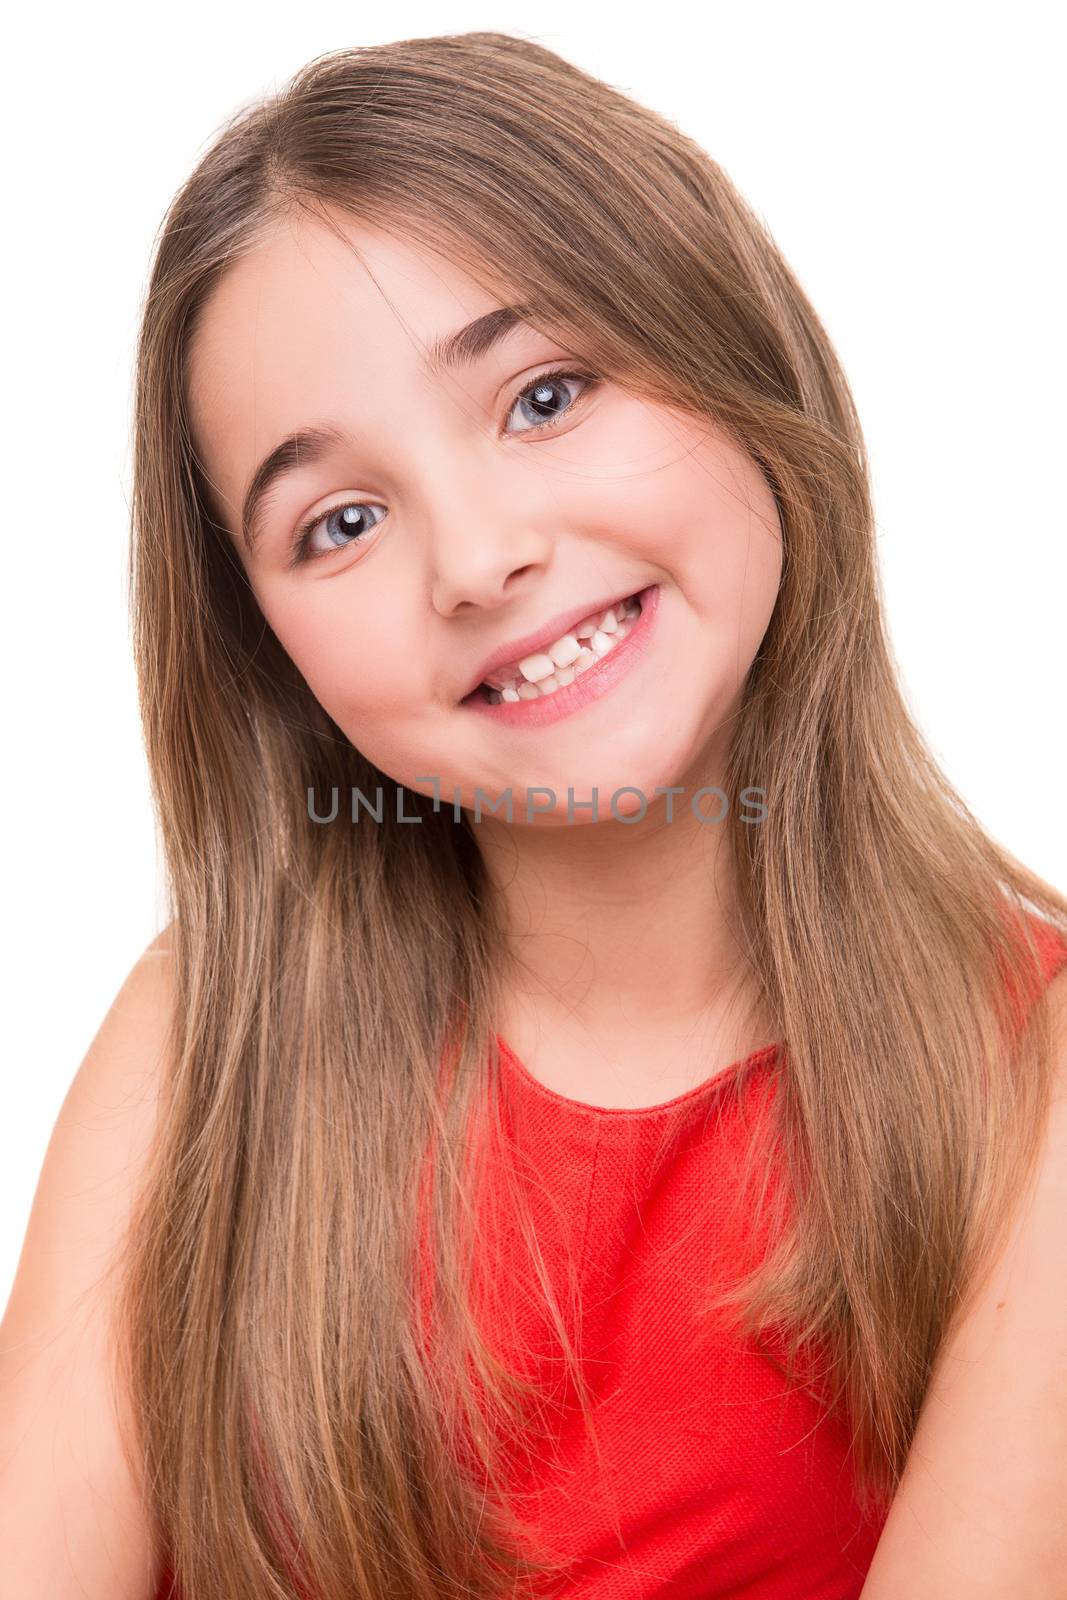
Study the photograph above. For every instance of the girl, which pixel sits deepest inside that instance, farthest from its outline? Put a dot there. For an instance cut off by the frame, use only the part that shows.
(603, 1052)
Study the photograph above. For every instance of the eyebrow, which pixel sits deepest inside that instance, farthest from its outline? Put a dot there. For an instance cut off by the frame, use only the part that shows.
(307, 446)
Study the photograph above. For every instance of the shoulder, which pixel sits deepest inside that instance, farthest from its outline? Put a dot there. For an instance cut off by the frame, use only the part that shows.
(107, 1117)
(980, 1504)
(1057, 1004)
(1052, 955)
(66, 1426)
(146, 989)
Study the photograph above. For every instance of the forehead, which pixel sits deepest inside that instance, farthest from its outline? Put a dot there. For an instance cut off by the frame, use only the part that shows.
(303, 281)
(305, 319)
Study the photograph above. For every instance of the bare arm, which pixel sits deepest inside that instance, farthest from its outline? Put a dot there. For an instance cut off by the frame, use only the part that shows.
(73, 1524)
(981, 1511)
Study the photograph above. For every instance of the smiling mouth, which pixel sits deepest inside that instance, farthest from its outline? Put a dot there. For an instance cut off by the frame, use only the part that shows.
(566, 658)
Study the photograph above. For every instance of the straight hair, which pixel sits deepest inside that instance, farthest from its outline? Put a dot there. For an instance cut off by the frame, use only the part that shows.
(308, 1424)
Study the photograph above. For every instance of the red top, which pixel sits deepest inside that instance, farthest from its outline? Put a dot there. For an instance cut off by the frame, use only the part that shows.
(714, 1478)
(715, 1481)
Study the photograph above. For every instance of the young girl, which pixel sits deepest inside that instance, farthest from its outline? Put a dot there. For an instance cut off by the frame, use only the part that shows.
(603, 1055)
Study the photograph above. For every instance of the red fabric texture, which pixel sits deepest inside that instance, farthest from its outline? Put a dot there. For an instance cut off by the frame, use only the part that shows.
(715, 1480)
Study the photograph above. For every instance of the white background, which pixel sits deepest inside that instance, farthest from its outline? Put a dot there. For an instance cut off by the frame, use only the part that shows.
(907, 160)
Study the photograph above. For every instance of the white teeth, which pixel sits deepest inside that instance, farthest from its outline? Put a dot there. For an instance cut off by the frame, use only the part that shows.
(564, 652)
(568, 651)
(567, 659)
(534, 667)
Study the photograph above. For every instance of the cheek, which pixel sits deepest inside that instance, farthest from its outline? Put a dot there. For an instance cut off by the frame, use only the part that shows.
(352, 675)
(719, 534)
(683, 496)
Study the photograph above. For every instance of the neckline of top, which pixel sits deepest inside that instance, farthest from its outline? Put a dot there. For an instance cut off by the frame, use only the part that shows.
(622, 1115)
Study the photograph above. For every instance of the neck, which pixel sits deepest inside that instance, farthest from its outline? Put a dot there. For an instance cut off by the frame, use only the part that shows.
(613, 927)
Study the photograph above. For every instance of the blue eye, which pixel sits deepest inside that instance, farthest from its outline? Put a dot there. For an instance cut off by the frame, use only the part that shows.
(352, 513)
(541, 389)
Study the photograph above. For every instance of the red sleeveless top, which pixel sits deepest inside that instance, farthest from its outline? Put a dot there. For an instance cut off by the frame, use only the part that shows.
(708, 1478)
(713, 1478)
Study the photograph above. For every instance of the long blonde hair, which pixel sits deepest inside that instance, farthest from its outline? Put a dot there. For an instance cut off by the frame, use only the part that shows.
(295, 1437)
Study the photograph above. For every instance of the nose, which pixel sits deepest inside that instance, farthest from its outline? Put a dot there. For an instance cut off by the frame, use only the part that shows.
(483, 584)
(485, 556)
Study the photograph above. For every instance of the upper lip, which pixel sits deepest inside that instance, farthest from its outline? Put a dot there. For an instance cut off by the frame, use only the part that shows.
(530, 643)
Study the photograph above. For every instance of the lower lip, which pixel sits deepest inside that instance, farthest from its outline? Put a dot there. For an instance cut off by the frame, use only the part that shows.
(597, 681)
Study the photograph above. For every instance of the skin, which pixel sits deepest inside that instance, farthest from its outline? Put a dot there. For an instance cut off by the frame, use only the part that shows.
(478, 527)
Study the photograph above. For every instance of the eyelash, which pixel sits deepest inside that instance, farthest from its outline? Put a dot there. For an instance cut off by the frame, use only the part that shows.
(302, 538)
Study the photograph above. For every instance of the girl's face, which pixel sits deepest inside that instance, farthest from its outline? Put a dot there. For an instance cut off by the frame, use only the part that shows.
(445, 522)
